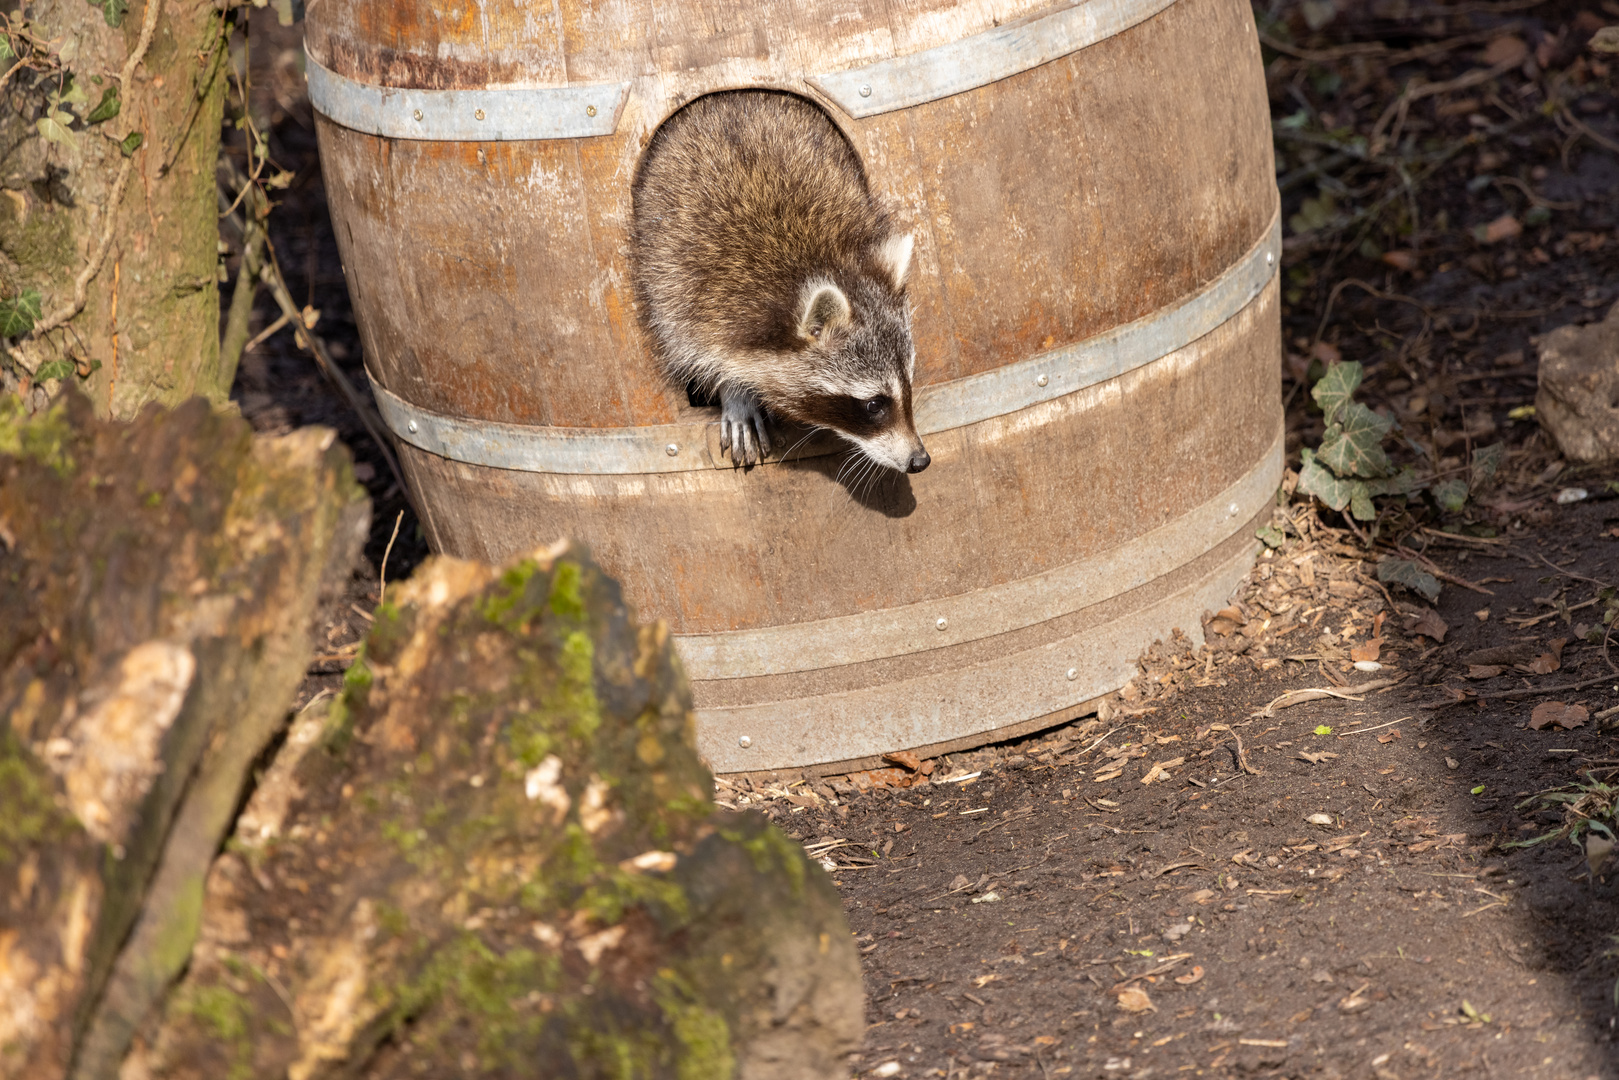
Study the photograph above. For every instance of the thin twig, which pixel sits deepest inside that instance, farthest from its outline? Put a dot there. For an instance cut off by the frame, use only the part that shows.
(271, 276)
(1242, 755)
(1584, 129)
(1523, 692)
(1442, 575)
(234, 341)
(382, 576)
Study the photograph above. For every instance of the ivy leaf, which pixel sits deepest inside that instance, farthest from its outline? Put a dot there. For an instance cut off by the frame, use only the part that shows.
(1407, 573)
(1451, 495)
(1271, 535)
(74, 95)
(1402, 483)
(1486, 460)
(131, 143)
(106, 108)
(53, 127)
(54, 369)
(1354, 447)
(1332, 391)
(1360, 501)
(1323, 484)
(19, 315)
(6, 53)
(111, 10)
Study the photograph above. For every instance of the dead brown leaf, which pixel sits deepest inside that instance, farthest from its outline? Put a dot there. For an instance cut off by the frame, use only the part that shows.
(904, 758)
(1484, 671)
(1507, 47)
(1401, 259)
(1227, 621)
(1389, 736)
(1204, 896)
(1428, 624)
(1504, 227)
(1316, 759)
(1568, 717)
(1134, 999)
(1367, 650)
(1195, 975)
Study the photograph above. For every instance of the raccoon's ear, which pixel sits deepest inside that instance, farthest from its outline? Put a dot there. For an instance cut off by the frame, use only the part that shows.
(894, 256)
(824, 308)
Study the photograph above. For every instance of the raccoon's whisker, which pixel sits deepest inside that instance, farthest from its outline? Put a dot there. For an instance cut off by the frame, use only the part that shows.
(787, 452)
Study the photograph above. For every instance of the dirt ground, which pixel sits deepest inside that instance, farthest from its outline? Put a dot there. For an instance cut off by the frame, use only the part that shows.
(1332, 889)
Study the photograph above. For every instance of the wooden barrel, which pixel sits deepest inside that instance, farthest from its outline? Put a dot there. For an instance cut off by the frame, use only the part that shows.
(1092, 192)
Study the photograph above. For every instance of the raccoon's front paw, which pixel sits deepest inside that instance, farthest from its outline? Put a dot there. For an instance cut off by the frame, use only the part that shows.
(743, 431)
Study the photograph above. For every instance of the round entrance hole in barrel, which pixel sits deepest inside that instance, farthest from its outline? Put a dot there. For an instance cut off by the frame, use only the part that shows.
(1094, 300)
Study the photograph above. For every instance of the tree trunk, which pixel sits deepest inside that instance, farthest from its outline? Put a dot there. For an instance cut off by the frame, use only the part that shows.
(111, 284)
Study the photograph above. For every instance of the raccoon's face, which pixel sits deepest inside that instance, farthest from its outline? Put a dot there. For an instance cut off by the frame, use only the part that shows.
(861, 361)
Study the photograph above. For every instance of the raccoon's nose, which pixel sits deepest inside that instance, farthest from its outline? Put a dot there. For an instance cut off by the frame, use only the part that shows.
(919, 461)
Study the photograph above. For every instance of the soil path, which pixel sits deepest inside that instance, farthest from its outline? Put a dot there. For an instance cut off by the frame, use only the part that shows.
(1350, 907)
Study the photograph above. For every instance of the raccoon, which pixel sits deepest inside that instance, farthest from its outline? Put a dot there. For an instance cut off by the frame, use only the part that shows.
(768, 275)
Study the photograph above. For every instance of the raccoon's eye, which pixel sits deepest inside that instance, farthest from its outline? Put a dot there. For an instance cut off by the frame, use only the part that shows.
(875, 406)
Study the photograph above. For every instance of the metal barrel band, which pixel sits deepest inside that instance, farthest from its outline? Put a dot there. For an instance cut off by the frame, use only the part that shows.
(988, 612)
(980, 59)
(665, 448)
(503, 115)
(972, 701)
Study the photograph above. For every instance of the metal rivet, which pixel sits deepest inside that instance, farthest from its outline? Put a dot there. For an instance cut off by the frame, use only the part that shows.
(417, 114)
(672, 449)
(1073, 673)
(1270, 257)
(943, 624)
(1232, 509)
(590, 110)
(865, 90)
(1041, 381)
(744, 742)
(411, 427)
(479, 114)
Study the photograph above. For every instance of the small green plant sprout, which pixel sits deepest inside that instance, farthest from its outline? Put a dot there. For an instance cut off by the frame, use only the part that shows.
(1452, 493)
(1588, 809)
(1322, 729)
(1477, 791)
(1471, 1015)
(1350, 467)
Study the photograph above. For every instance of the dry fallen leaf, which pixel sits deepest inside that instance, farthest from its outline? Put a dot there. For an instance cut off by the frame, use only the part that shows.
(1134, 999)
(984, 980)
(1204, 896)
(904, 758)
(1195, 975)
(1543, 664)
(1367, 650)
(1484, 671)
(1504, 227)
(1400, 259)
(1317, 758)
(1567, 717)
(1428, 624)
(1226, 621)
(1389, 736)
(1506, 49)
(1597, 851)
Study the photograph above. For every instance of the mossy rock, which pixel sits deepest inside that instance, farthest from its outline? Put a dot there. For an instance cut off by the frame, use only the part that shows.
(159, 581)
(497, 855)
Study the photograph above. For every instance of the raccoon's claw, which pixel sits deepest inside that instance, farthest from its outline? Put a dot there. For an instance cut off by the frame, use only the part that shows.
(743, 431)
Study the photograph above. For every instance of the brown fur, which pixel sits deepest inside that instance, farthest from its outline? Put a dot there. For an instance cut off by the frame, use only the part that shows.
(763, 265)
